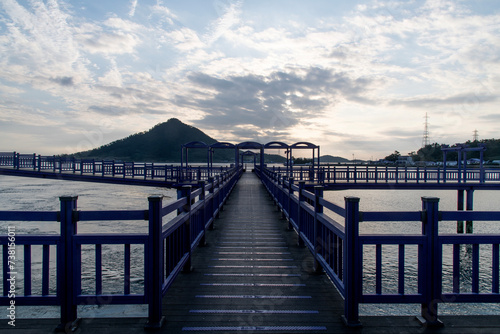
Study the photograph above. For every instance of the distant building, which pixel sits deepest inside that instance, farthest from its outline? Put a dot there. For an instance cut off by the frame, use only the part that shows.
(405, 161)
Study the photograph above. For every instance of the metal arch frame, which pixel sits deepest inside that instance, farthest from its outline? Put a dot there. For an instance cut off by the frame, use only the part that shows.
(281, 145)
(249, 153)
(222, 145)
(193, 144)
(459, 148)
(304, 145)
(251, 145)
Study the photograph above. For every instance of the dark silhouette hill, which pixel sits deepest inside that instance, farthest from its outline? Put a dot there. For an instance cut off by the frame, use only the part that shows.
(162, 143)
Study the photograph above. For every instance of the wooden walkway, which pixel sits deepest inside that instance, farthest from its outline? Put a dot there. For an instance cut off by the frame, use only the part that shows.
(252, 277)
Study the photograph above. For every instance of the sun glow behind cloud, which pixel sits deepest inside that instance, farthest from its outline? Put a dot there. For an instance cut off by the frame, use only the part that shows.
(353, 77)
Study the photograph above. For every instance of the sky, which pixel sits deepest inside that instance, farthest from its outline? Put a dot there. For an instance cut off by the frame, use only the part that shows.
(354, 77)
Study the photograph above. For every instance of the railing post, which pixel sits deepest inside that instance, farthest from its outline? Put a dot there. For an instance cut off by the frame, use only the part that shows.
(154, 266)
(39, 163)
(186, 192)
(282, 199)
(318, 209)
(66, 265)
(432, 260)
(290, 193)
(300, 241)
(204, 217)
(460, 207)
(217, 199)
(353, 257)
(212, 209)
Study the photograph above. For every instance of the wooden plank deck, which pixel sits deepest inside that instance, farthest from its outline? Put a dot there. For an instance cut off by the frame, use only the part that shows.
(252, 277)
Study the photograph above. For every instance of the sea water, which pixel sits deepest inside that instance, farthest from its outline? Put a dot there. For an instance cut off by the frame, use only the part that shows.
(410, 200)
(31, 194)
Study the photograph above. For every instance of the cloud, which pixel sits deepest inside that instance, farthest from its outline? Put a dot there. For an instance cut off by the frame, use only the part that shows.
(110, 42)
(229, 18)
(433, 101)
(279, 100)
(63, 81)
(133, 6)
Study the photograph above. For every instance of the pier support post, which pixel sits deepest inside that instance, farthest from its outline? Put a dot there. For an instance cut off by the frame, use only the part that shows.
(431, 266)
(318, 209)
(353, 279)
(66, 266)
(154, 265)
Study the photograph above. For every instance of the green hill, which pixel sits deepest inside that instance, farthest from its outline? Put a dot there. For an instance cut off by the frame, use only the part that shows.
(162, 143)
(330, 158)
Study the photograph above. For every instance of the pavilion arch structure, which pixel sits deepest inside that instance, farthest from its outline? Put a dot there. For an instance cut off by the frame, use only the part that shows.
(249, 153)
(277, 145)
(193, 145)
(301, 146)
(248, 146)
(251, 145)
(221, 145)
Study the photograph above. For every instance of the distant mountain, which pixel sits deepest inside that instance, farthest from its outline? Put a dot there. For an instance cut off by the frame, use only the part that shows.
(330, 158)
(162, 143)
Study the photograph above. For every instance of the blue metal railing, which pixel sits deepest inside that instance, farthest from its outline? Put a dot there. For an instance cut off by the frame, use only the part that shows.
(339, 249)
(152, 171)
(167, 249)
(381, 174)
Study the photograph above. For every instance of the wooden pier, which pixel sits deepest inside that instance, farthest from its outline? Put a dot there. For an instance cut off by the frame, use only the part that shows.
(251, 276)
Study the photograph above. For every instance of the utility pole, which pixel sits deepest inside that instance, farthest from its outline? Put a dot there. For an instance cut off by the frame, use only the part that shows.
(476, 136)
(425, 137)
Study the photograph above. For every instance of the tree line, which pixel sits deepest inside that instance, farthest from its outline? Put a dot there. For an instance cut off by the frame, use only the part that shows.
(433, 152)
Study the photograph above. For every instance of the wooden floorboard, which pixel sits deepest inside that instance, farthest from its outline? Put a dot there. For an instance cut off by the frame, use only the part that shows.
(252, 277)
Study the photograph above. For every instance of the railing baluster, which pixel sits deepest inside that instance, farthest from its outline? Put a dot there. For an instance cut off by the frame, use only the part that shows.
(475, 268)
(27, 270)
(378, 269)
(98, 269)
(401, 269)
(126, 270)
(456, 268)
(45, 269)
(5, 268)
(495, 268)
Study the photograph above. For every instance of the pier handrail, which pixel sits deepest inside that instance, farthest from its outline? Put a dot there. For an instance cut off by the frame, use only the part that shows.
(35, 163)
(338, 249)
(167, 249)
(369, 174)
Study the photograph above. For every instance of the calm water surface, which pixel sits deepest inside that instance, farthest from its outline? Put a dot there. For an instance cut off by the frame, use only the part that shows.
(38, 194)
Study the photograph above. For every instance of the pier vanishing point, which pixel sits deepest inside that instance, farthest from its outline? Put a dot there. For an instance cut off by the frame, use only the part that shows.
(259, 250)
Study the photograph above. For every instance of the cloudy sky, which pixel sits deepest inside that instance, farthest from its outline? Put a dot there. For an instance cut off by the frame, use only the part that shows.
(355, 77)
